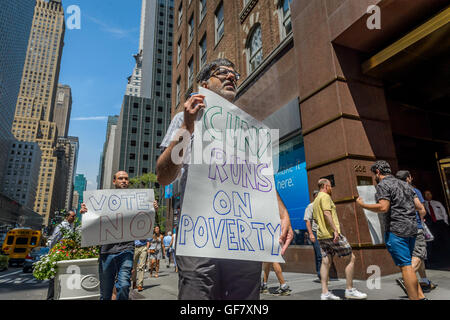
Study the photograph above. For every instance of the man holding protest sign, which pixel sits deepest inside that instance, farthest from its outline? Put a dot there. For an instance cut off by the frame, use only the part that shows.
(203, 277)
(116, 259)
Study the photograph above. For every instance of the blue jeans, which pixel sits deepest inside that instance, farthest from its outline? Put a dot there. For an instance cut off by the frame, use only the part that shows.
(317, 254)
(112, 267)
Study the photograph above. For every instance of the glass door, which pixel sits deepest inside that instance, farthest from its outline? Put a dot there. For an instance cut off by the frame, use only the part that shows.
(444, 170)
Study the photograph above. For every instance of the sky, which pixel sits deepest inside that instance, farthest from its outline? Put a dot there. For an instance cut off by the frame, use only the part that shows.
(96, 61)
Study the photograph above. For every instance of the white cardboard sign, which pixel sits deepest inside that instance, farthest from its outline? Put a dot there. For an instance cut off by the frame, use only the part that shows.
(375, 220)
(229, 210)
(117, 215)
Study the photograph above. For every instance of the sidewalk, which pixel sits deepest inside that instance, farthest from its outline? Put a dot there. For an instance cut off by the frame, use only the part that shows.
(302, 285)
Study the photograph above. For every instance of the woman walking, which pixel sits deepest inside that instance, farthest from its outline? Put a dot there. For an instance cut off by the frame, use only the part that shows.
(155, 251)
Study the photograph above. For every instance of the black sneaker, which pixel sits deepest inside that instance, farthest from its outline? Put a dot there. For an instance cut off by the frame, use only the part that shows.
(282, 292)
(401, 283)
(264, 288)
(427, 287)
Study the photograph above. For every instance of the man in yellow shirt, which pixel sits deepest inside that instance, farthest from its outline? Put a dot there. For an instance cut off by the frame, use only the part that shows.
(332, 242)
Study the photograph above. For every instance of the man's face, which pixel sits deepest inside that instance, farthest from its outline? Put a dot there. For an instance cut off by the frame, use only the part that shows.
(409, 179)
(428, 196)
(377, 176)
(328, 188)
(71, 217)
(121, 180)
(223, 83)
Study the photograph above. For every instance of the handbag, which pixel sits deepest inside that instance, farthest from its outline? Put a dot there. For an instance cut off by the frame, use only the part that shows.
(427, 233)
(152, 251)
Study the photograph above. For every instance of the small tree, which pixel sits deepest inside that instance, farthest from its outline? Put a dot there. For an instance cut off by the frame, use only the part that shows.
(149, 180)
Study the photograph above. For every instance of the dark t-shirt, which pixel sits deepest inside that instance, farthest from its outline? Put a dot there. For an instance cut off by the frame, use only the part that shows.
(401, 217)
(117, 247)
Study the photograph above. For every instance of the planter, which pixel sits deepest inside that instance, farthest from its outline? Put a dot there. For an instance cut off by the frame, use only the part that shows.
(77, 280)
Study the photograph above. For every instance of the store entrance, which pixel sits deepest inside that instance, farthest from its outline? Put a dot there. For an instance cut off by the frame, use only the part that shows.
(415, 71)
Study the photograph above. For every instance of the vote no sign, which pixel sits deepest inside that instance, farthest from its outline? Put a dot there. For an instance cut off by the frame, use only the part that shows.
(230, 207)
(117, 215)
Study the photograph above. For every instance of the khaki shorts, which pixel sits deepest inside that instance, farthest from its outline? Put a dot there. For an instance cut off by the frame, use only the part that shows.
(420, 247)
(341, 248)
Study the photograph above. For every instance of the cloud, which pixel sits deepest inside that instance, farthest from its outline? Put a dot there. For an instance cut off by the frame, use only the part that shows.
(116, 31)
(90, 118)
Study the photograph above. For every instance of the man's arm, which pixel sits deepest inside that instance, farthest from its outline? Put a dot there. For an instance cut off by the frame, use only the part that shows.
(419, 207)
(310, 232)
(287, 234)
(381, 207)
(329, 220)
(166, 169)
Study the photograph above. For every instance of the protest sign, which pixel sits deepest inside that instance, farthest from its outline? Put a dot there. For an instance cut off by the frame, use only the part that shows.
(117, 215)
(230, 207)
(375, 220)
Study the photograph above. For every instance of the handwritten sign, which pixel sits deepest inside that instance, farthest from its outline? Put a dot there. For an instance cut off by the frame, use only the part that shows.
(230, 207)
(375, 220)
(117, 215)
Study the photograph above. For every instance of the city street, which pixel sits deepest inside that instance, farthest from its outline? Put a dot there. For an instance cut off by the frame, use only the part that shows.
(16, 285)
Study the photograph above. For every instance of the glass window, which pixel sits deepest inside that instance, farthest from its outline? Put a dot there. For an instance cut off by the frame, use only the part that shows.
(255, 56)
(180, 13)
(178, 92)
(190, 72)
(219, 23)
(292, 185)
(202, 9)
(285, 10)
(191, 29)
(203, 51)
(179, 51)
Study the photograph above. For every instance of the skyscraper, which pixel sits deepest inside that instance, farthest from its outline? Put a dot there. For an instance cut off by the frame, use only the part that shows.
(13, 47)
(35, 104)
(79, 187)
(106, 158)
(144, 118)
(63, 109)
(70, 146)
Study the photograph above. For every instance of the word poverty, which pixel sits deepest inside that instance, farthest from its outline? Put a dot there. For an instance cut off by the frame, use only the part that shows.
(232, 224)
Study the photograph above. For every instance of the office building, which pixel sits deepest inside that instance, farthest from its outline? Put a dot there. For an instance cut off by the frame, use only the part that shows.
(342, 93)
(13, 47)
(36, 100)
(144, 118)
(79, 187)
(106, 157)
(22, 173)
(63, 109)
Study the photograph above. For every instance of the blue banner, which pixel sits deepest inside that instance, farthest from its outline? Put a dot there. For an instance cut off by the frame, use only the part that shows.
(292, 185)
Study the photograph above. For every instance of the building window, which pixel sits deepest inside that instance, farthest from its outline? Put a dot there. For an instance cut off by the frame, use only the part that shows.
(179, 51)
(219, 23)
(180, 13)
(191, 29)
(203, 51)
(190, 72)
(285, 17)
(254, 50)
(132, 156)
(202, 10)
(177, 102)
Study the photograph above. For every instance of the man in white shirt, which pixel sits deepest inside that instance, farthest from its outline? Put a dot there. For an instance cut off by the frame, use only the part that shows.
(311, 226)
(437, 221)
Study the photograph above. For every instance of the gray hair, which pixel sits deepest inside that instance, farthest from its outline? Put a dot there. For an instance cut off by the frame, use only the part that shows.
(322, 182)
(207, 70)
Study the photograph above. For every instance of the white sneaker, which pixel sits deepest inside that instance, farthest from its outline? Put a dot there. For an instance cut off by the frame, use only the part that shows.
(329, 296)
(355, 294)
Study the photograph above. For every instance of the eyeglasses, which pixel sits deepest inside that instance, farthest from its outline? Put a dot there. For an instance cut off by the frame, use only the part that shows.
(222, 73)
